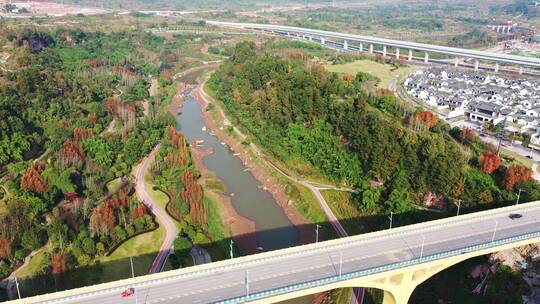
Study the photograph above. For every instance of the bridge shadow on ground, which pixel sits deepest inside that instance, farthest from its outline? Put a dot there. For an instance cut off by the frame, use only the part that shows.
(43, 281)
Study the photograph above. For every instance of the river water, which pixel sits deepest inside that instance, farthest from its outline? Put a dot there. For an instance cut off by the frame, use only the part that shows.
(274, 230)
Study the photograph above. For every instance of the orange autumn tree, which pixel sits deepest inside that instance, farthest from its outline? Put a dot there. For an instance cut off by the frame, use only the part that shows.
(72, 154)
(181, 155)
(103, 219)
(489, 162)
(468, 136)
(516, 174)
(5, 248)
(348, 78)
(59, 264)
(81, 133)
(193, 196)
(140, 211)
(32, 179)
(429, 119)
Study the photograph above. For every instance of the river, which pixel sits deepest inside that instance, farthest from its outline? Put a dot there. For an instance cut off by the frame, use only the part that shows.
(274, 229)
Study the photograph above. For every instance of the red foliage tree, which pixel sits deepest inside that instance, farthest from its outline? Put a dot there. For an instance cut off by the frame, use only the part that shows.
(468, 136)
(385, 92)
(516, 174)
(5, 248)
(348, 78)
(429, 119)
(82, 133)
(72, 154)
(92, 118)
(181, 156)
(121, 198)
(489, 162)
(59, 264)
(103, 219)
(193, 195)
(32, 179)
(140, 211)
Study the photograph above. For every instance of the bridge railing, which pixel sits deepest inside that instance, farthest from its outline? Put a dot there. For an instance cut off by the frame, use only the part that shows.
(246, 261)
(379, 269)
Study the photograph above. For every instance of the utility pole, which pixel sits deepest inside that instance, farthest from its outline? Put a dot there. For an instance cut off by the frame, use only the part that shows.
(231, 247)
(458, 206)
(494, 231)
(391, 218)
(530, 155)
(317, 233)
(17, 285)
(519, 194)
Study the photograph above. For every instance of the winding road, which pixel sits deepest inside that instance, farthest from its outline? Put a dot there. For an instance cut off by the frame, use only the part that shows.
(162, 216)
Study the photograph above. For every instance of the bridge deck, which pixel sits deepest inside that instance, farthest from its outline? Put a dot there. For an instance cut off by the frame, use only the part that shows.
(317, 263)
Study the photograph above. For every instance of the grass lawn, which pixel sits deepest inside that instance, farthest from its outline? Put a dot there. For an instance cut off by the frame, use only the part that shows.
(385, 72)
(142, 248)
(113, 185)
(517, 158)
(34, 266)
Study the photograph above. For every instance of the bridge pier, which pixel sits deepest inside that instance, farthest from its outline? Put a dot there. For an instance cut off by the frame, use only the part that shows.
(310, 38)
(345, 45)
(520, 70)
(496, 67)
(410, 55)
(371, 48)
(384, 51)
(361, 48)
(322, 40)
(456, 62)
(426, 57)
(476, 65)
(397, 53)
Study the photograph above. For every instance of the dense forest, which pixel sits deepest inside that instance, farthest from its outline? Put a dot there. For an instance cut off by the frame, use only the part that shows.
(72, 126)
(396, 156)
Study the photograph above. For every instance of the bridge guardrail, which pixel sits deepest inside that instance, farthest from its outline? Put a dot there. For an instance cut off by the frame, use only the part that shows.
(379, 269)
(319, 247)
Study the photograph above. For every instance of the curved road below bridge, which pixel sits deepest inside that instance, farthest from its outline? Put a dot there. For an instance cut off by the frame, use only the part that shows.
(162, 216)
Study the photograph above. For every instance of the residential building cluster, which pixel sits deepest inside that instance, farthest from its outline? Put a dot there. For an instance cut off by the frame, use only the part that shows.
(480, 97)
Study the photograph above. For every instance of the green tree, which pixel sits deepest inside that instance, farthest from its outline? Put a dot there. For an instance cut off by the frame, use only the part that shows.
(99, 151)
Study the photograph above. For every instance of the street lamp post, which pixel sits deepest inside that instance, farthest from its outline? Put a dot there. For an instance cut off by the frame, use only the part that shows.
(231, 248)
(458, 207)
(519, 194)
(133, 277)
(317, 233)
(494, 231)
(422, 248)
(17, 285)
(340, 261)
(247, 282)
(391, 218)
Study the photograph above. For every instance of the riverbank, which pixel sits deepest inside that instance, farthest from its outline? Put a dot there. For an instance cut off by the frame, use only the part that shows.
(242, 229)
(267, 181)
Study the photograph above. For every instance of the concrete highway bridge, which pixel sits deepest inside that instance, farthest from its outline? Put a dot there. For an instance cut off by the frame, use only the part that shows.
(368, 44)
(394, 260)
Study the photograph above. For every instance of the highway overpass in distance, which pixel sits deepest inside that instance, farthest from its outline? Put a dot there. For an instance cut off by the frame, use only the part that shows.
(395, 260)
(367, 43)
